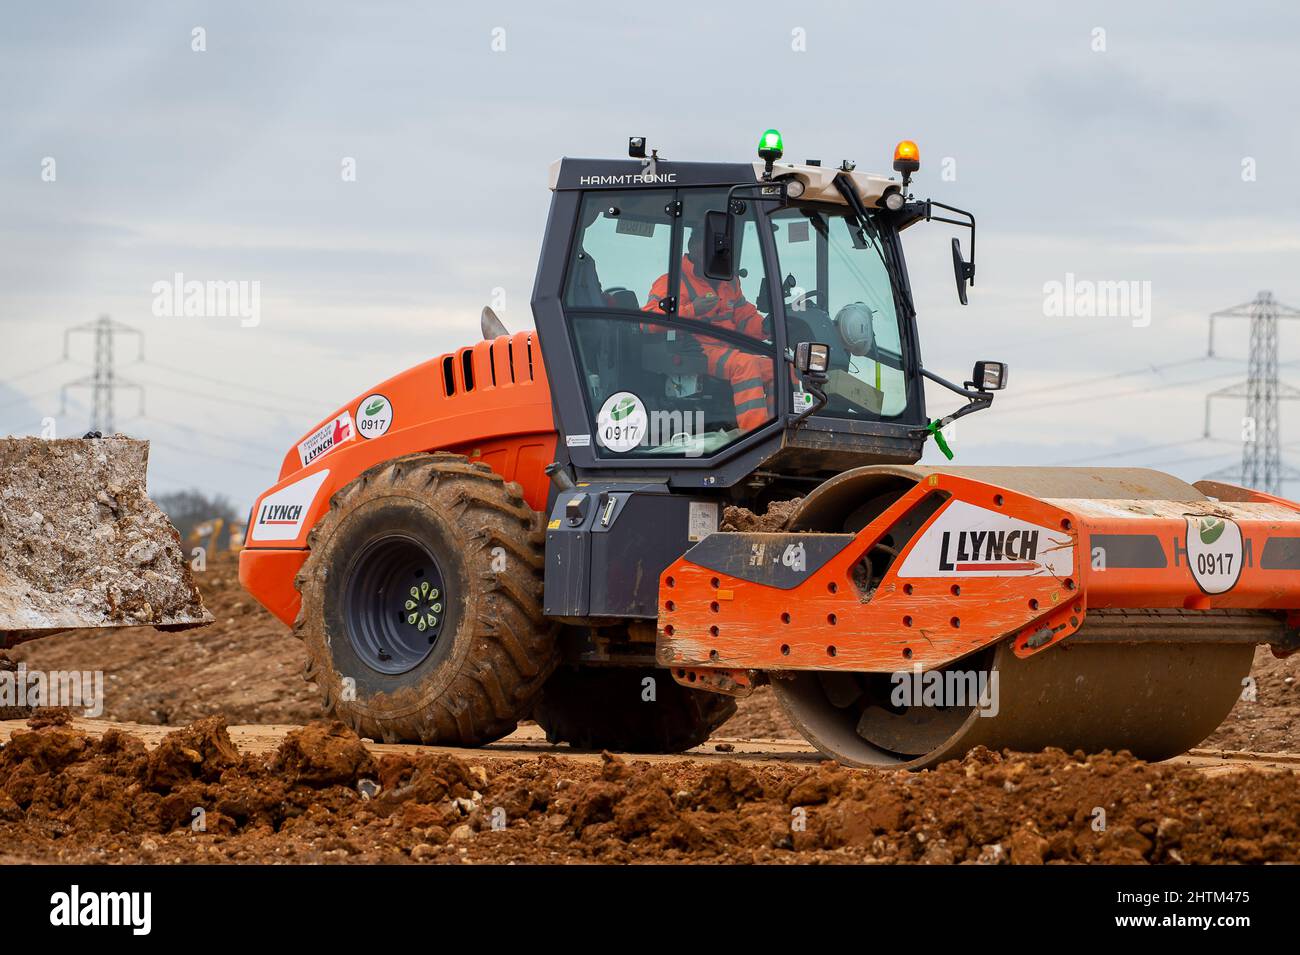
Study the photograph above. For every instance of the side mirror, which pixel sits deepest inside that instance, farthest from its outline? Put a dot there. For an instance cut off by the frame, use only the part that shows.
(989, 375)
(719, 245)
(812, 358)
(963, 271)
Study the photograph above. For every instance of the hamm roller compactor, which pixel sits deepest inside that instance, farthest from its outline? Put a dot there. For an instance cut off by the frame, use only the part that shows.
(529, 525)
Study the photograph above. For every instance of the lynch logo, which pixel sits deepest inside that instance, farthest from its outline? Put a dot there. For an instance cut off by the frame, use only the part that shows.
(628, 179)
(966, 540)
(988, 550)
(280, 514)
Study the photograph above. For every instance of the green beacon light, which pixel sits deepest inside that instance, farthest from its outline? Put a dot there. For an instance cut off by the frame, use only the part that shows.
(770, 149)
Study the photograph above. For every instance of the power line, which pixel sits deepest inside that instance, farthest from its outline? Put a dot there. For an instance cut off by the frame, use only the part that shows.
(282, 396)
(1108, 394)
(1129, 452)
(1188, 460)
(48, 366)
(199, 432)
(1149, 369)
(219, 399)
(208, 454)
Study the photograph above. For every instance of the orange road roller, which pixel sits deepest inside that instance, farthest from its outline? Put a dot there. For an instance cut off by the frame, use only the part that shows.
(536, 525)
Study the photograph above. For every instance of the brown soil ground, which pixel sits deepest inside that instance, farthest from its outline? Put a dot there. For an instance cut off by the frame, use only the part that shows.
(248, 667)
(323, 797)
(1271, 723)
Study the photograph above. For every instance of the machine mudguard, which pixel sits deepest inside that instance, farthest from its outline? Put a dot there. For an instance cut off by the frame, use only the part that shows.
(490, 401)
(987, 563)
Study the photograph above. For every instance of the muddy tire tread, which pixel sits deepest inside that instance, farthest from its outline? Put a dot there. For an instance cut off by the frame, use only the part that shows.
(512, 644)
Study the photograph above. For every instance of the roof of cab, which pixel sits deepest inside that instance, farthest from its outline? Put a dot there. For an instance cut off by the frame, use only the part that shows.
(819, 181)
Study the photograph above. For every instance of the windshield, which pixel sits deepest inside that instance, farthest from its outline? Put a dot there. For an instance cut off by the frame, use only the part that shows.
(837, 291)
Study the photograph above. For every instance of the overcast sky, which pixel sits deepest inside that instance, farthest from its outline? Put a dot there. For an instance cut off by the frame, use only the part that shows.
(1147, 142)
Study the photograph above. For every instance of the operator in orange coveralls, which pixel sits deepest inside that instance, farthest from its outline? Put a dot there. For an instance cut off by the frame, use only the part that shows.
(723, 303)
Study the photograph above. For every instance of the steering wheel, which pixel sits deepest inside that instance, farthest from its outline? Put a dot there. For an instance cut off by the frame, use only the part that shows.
(801, 302)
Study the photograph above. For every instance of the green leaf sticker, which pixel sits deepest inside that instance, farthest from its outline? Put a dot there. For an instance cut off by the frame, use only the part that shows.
(1211, 529)
(374, 408)
(623, 409)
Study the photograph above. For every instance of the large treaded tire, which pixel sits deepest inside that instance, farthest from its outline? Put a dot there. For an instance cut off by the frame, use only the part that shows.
(604, 708)
(495, 648)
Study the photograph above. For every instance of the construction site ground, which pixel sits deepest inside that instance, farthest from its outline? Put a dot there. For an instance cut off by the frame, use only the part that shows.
(206, 726)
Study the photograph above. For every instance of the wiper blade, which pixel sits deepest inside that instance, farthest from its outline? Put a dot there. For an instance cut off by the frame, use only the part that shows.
(860, 213)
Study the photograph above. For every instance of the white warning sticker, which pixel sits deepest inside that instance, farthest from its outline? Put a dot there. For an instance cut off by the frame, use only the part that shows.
(702, 520)
(325, 438)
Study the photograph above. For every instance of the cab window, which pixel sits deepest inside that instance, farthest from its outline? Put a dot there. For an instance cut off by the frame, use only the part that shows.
(739, 305)
(656, 390)
(837, 290)
(673, 363)
(624, 245)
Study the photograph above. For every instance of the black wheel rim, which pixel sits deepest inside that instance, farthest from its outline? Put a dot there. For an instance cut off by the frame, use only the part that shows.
(395, 603)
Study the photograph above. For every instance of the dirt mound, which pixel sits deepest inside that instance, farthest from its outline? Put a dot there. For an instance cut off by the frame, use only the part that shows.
(775, 518)
(246, 665)
(200, 751)
(321, 797)
(323, 754)
(80, 542)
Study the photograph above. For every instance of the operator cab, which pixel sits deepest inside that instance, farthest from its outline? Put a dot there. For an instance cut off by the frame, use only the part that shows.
(678, 362)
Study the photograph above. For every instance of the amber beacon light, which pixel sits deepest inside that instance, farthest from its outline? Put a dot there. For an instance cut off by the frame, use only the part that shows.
(907, 158)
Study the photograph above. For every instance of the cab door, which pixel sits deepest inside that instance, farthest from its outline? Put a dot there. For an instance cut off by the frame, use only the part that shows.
(672, 364)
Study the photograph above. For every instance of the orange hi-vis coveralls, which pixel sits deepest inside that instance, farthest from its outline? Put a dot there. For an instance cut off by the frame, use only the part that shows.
(750, 375)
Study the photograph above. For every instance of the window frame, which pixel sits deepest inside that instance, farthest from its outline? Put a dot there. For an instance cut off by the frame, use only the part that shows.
(570, 255)
(551, 311)
(768, 256)
(774, 350)
(742, 342)
(909, 360)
